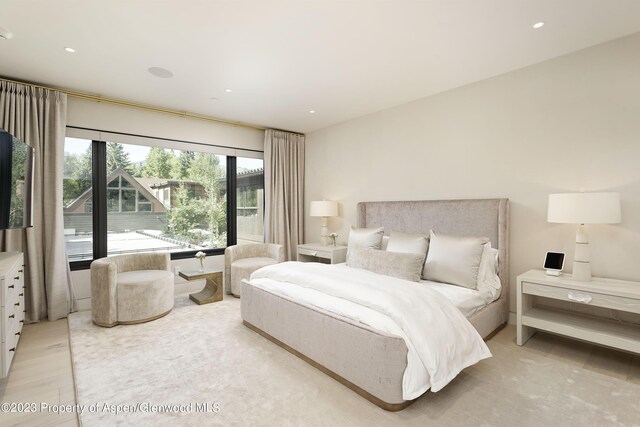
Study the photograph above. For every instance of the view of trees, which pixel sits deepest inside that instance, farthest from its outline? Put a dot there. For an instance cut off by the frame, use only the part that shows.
(192, 217)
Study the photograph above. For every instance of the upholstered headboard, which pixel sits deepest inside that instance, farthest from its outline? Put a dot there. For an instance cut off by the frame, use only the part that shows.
(472, 217)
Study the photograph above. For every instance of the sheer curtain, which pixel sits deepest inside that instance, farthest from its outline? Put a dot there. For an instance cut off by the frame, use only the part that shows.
(284, 190)
(38, 117)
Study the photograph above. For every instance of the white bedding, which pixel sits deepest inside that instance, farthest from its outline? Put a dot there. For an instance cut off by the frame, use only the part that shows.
(440, 340)
(468, 301)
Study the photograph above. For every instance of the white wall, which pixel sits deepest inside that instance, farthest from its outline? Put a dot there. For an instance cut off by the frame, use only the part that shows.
(568, 124)
(114, 118)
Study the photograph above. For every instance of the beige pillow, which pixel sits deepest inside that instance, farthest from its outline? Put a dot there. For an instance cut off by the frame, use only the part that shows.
(454, 260)
(408, 243)
(365, 237)
(395, 264)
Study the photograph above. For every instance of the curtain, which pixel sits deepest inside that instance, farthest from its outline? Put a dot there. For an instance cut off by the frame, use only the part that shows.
(284, 190)
(38, 117)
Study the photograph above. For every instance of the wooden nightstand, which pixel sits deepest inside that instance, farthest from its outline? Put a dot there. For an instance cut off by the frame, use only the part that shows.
(315, 252)
(611, 294)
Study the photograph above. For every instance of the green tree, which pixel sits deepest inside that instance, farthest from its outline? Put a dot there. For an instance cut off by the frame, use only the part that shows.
(182, 165)
(117, 158)
(77, 175)
(159, 163)
(187, 213)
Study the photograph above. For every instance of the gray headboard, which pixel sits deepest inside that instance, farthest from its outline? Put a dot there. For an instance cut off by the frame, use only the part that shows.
(468, 217)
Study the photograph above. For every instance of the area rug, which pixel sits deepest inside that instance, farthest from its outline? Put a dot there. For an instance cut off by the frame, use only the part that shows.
(201, 366)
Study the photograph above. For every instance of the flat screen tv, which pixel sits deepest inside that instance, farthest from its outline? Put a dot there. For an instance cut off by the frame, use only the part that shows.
(16, 182)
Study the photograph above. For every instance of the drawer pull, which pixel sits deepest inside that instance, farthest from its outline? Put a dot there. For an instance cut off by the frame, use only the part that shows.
(315, 254)
(21, 294)
(20, 271)
(16, 278)
(11, 286)
(22, 321)
(581, 298)
(17, 304)
(12, 349)
(17, 333)
(12, 316)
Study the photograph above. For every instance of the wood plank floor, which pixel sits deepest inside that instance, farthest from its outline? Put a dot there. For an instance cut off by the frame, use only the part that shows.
(42, 372)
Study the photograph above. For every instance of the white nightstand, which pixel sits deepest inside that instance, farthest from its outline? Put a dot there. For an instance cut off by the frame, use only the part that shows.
(315, 252)
(605, 293)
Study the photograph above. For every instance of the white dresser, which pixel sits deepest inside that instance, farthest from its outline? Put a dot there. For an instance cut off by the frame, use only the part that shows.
(316, 252)
(11, 306)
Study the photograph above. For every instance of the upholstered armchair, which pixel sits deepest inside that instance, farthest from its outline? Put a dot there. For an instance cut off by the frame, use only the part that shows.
(131, 288)
(242, 260)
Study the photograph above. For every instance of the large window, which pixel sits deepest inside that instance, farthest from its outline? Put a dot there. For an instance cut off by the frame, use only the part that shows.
(151, 198)
(250, 200)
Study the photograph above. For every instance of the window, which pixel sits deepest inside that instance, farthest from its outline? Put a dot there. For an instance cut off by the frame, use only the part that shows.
(152, 199)
(250, 200)
(78, 206)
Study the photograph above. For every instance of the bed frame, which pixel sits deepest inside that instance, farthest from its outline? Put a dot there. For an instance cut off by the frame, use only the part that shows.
(368, 361)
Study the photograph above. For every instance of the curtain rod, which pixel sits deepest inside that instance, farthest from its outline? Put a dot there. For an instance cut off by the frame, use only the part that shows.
(98, 98)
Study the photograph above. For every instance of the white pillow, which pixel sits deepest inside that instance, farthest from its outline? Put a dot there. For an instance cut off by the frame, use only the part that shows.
(395, 264)
(488, 279)
(408, 243)
(385, 242)
(454, 260)
(365, 237)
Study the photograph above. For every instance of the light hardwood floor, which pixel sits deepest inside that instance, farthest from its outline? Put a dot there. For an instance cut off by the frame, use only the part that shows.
(42, 370)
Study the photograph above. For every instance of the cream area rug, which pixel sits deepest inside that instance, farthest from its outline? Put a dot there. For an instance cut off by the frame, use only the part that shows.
(201, 366)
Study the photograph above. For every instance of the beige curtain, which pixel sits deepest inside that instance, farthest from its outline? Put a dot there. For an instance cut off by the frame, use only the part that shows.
(284, 190)
(38, 117)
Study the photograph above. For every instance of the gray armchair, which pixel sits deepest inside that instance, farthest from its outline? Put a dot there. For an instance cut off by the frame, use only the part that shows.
(132, 288)
(242, 260)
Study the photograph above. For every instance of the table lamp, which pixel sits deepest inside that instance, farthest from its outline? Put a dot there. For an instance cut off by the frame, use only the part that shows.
(581, 209)
(324, 209)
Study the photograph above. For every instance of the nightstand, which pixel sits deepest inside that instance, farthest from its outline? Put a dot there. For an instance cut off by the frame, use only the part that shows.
(315, 252)
(618, 295)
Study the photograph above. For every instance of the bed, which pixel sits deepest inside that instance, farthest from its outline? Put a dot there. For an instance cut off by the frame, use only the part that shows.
(368, 360)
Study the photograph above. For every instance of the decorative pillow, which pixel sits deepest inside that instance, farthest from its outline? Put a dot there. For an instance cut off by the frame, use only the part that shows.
(488, 279)
(395, 264)
(385, 243)
(454, 260)
(365, 237)
(408, 243)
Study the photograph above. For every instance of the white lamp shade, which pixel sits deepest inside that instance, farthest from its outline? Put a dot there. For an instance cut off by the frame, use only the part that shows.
(324, 208)
(584, 208)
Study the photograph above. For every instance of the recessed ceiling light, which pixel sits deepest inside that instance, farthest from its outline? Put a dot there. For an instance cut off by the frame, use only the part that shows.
(214, 99)
(312, 111)
(163, 73)
(70, 49)
(5, 34)
(227, 90)
(538, 25)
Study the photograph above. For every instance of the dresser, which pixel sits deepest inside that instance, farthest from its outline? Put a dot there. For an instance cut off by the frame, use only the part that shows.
(534, 286)
(316, 252)
(12, 307)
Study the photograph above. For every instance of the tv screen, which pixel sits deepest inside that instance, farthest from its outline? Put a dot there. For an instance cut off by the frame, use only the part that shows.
(16, 182)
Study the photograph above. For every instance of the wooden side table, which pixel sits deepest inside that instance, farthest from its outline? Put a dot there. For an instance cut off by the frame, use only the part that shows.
(212, 291)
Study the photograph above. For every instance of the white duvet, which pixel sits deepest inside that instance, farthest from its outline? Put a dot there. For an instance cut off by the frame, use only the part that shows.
(440, 340)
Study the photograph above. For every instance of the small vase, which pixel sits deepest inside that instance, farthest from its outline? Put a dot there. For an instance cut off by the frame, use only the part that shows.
(334, 242)
(201, 265)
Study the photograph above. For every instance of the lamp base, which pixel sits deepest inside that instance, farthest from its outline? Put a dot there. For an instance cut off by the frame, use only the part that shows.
(324, 232)
(581, 257)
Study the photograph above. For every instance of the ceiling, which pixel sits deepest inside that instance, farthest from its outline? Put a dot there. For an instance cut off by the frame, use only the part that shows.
(340, 58)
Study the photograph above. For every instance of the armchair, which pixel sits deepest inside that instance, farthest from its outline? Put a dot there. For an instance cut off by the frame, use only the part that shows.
(131, 288)
(242, 260)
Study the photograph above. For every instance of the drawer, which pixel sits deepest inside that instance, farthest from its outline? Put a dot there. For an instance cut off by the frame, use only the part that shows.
(9, 350)
(13, 282)
(582, 297)
(312, 252)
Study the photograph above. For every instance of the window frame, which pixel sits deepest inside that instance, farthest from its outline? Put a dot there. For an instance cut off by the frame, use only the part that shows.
(99, 205)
